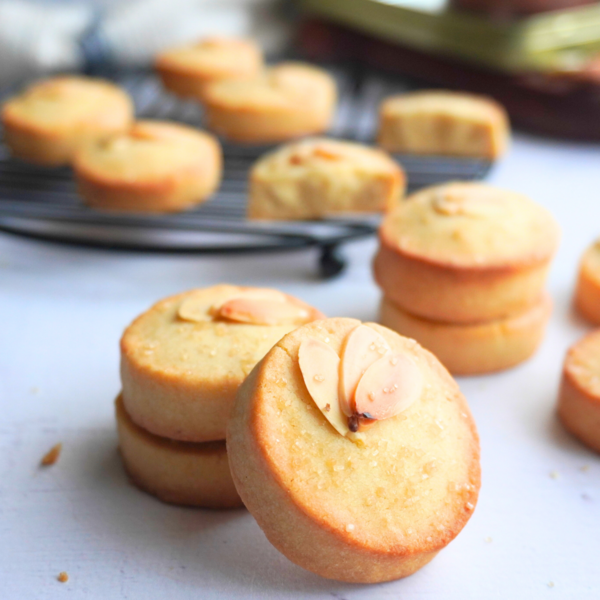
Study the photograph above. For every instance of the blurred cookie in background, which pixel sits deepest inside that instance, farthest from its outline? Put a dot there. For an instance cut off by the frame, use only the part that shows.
(186, 70)
(52, 119)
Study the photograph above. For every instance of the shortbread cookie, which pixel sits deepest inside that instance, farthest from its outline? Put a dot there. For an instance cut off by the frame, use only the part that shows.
(183, 360)
(443, 123)
(176, 472)
(154, 167)
(355, 451)
(318, 177)
(52, 119)
(283, 102)
(465, 253)
(186, 70)
(478, 348)
(579, 398)
(587, 296)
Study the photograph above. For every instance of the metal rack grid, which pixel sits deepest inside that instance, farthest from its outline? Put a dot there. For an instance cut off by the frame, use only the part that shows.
(43, 203)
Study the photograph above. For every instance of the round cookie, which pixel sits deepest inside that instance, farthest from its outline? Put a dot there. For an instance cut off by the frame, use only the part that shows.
(48, 122)
(186, 70)
(176, 472)
(465, 253)
(156, 166)
(466, 349)
(317, 177)
(364, 498)
(579, 397)
(587, 295)
(283, 102)
(183, 360)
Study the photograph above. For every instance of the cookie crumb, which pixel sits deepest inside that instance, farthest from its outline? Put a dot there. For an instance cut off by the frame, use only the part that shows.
(551, 584)
(52, 455)
(63, 577)
(585, 468)
(554, 474)
(488, 540)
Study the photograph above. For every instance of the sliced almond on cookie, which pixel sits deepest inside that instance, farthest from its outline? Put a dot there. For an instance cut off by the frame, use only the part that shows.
(263, 294)
(325, 153)
(250, 293)
(262, 312)
(197, 307)
(363, 347)
(388, 387)
(319, 365)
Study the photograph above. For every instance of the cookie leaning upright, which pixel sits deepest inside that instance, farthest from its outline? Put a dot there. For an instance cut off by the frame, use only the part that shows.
(282, 102)
(355, 451)
(187, 70)
(316, 177)
(48, 122)
(155, 166)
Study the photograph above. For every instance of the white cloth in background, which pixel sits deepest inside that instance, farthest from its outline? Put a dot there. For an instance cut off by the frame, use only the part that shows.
(37, 39)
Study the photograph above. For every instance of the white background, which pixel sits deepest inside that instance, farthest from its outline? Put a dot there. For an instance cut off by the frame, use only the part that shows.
(62, 311)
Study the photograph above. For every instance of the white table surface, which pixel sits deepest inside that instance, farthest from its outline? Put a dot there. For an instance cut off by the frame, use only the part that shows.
(534, 534)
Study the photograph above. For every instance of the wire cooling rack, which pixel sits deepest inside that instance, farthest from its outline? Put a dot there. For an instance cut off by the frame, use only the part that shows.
(43, 203)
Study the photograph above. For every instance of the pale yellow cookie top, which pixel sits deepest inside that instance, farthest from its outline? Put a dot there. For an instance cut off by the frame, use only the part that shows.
(466, 107)
(323, 157)
(213, 58)
(582, 364)
(183, 336)
(409, 481)
(471, 225)
(590, 262)
(149, 150)
(284, 86)
(69, 102)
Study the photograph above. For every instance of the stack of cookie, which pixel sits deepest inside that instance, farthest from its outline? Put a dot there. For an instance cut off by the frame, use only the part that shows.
(182, 362)
(462, 267)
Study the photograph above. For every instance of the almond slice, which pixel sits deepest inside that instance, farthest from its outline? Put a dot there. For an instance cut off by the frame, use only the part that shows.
(262, 294)
(319, 364)
(262, 312)
(197, 307)
(326, 153)
(252, 293)
(388, 387)
(362, 348)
